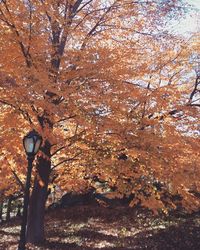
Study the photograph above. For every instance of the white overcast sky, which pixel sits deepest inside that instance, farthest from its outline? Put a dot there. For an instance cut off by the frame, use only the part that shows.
(196, 3)
(191, 22)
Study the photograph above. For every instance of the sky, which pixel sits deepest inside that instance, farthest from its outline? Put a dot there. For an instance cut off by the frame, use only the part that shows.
(196, 3)
(191, 22)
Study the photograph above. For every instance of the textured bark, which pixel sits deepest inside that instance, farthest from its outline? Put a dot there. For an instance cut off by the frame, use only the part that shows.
(35, 228)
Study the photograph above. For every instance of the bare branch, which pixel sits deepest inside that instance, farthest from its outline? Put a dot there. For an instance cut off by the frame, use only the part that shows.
(58, 150)
(72, 140)
(65, 119)
(67, 160)
(30, 25)
(76, 6)
(24, 113)
(18, 179)
(13, 27)
(83, 6)
(195, 90)
(195, 105)
(99, 22)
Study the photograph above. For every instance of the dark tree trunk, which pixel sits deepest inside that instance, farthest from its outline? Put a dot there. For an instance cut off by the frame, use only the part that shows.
(8, 208)
(35, 228)
(1, 211)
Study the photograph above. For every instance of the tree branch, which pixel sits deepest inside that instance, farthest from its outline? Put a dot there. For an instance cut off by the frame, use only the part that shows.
(25, 51)
(65, 119)
(83, 6)
(23, 112)
(66, 160)
(197, 82)
(58, 150)
(18, 179)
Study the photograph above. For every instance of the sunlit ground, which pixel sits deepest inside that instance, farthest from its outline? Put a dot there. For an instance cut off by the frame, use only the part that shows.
(90, 228)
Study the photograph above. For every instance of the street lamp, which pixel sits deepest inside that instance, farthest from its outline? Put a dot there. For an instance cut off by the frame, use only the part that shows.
(31, 142)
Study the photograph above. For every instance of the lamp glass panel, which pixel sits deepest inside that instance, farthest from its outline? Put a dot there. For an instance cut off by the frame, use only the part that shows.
(37, 145)
(29, 145)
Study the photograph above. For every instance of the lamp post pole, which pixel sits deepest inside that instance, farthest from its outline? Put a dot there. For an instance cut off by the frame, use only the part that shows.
(22, 241)
(32, 142)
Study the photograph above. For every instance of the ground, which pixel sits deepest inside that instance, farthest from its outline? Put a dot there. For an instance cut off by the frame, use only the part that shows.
(94, 227)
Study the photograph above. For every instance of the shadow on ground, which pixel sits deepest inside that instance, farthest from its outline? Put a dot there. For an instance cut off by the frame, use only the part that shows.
(92, 228)
(124, 229)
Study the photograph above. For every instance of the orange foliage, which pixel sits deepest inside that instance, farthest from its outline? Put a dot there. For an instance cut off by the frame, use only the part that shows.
(97, 79)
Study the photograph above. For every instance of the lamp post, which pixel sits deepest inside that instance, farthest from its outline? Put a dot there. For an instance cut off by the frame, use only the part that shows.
(31, 142)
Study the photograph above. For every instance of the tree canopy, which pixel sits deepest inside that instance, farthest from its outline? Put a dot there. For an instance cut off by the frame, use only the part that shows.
(101, 79)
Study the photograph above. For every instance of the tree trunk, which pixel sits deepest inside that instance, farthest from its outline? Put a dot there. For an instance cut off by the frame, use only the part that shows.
(8, 208)
(35, 228)
(1, 211)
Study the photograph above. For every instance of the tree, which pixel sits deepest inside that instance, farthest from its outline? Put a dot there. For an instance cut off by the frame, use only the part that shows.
(67, 69)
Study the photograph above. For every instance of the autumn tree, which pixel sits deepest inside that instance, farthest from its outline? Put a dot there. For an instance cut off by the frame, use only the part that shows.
(77, 71)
